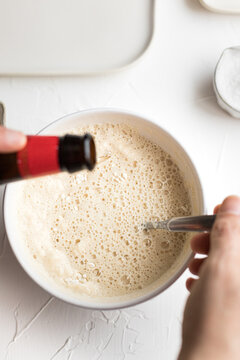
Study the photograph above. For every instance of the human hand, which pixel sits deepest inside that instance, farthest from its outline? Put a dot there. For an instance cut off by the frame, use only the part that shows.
(11, 140)
(211, 326)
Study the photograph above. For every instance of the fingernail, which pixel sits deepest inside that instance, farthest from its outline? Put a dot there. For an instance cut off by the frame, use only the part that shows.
(231, 205)
(14, 138)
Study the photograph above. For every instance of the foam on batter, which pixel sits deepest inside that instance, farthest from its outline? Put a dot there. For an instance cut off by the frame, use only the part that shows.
(83, 230)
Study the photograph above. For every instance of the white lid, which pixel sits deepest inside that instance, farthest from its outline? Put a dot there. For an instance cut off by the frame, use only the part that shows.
(60, 37)
(223, 6)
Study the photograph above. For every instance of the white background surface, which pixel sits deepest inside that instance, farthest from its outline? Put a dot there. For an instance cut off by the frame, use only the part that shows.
(173, 85)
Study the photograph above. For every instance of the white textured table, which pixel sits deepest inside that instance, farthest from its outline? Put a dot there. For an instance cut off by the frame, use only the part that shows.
(173, 85)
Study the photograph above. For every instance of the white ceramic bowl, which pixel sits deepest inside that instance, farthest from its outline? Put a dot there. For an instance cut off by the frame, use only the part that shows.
(154, 133)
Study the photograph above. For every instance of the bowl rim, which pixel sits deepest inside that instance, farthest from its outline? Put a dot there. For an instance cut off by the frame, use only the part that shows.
(66, 297)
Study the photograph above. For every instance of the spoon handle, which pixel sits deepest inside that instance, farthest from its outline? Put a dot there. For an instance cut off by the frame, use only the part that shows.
(191, 223)
(2, 115)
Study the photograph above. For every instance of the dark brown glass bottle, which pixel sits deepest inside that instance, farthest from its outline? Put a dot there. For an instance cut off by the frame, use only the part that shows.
(44, 155)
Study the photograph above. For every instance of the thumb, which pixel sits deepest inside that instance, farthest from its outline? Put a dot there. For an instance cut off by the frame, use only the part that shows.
(11, 140)
(225, 235)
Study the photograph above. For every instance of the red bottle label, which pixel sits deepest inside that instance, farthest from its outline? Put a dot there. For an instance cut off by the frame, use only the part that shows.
(39, 156)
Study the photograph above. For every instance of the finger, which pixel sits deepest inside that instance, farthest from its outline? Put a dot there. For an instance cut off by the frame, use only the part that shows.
(216, 209)
(195, 265)
(225, 233)
(200, 244)
(189, 283)
(11, 140)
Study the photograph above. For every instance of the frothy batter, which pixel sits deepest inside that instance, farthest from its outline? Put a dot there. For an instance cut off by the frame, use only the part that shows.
(83, 231)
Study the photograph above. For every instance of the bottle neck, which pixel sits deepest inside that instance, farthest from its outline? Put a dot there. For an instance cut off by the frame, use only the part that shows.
(39, 156)
(77, 153)
(45, 155)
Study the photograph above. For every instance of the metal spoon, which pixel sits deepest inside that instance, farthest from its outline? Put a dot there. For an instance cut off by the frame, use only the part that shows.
(2, 115)
(2, 188)
(186, 223)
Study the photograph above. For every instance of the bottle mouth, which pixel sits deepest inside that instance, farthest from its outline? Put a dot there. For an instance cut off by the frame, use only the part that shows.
(90, 151)
(77, 153)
